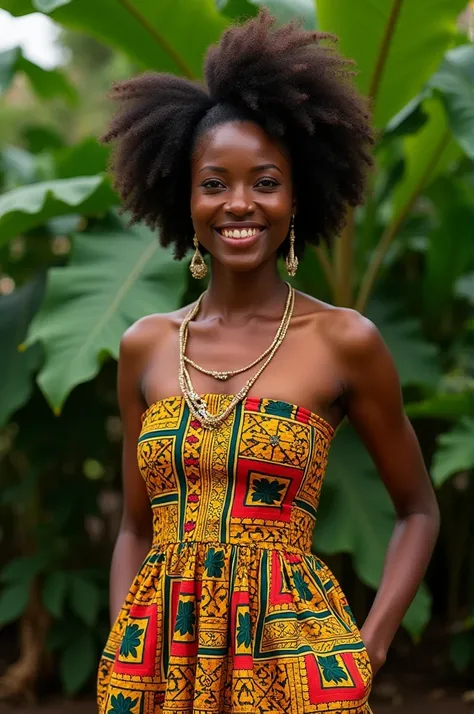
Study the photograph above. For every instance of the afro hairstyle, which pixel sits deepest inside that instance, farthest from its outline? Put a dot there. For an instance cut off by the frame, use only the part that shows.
(289, 81)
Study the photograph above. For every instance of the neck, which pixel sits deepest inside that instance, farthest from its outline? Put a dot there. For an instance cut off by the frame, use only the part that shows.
(232, 293)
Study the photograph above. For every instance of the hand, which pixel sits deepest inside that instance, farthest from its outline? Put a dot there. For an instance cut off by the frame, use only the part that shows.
(377, 654)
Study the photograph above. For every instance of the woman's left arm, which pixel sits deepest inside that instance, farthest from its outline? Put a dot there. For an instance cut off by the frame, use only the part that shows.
(375, 408)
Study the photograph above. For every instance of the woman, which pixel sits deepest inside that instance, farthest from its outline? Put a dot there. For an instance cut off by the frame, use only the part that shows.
(234, 400)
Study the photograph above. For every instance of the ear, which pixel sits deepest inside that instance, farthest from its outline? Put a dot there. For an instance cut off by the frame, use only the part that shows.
(293, 205)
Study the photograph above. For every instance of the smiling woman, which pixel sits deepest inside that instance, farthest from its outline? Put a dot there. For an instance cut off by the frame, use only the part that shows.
(230, 612)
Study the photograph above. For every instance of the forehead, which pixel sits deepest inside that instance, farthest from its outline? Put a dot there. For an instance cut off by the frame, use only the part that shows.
(241, 143)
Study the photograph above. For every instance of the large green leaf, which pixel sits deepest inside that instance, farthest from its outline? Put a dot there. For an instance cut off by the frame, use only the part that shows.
(86, 158)
(454, 208)
(30, 206)
(465, 287)
(18, 167)
(17, 368)
(357, 517)
(455, 81)
(46, 83)
(427, 154)
(286, 10)
(168, 35)
(444, 405)
(455, 452)
(416, 359)
(415, 42)
(78, 661)
(114, 277)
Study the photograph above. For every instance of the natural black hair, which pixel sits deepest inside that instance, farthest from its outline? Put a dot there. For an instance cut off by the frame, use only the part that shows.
(288, 80)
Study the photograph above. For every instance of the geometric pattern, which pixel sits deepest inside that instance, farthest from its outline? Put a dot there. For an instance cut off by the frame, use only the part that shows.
(230, 611)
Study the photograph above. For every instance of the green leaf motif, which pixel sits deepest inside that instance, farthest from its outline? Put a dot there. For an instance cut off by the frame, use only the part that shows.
(131, 640)
(278, 408)
(266, 491)
(302, 586)
(121, 704)
(214, 563)
(332, 671)
(244, 634)
(185, 618)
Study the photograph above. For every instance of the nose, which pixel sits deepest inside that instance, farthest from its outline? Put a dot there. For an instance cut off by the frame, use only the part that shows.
(239, 202)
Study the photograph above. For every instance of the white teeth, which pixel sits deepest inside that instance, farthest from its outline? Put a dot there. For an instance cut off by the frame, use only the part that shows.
(245, 233)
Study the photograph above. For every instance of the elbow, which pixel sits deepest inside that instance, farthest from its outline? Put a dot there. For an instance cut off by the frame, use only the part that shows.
(427, 514)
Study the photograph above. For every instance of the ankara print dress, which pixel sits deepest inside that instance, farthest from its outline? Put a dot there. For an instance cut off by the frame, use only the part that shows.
(230, 611)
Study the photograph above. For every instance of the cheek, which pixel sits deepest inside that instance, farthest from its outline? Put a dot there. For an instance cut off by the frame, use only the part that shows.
(202, 206)
(278, 207)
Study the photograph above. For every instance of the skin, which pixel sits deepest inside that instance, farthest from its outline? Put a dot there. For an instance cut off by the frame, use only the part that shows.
(332, 361)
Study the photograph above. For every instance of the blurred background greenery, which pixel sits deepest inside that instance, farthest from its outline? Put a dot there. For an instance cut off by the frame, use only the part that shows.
(73, 276)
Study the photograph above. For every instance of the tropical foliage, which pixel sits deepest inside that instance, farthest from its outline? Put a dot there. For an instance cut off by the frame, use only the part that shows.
(74, 276)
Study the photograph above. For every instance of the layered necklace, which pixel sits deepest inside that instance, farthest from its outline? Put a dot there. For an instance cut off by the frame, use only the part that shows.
(197, 405)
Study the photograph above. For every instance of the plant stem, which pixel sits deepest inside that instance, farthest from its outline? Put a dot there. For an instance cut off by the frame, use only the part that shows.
(392, 229)
(323, 257)
(344, 263)
(159, 39)
(384, 49)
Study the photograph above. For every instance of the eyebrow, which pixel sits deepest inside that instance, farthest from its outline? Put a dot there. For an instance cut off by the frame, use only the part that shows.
(256, 169)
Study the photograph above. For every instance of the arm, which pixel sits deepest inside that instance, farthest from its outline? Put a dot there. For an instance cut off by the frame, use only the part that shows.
(135, 534)
(375, 408)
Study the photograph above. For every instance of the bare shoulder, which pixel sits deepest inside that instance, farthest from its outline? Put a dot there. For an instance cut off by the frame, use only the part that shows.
(347, 331)
(150, 330)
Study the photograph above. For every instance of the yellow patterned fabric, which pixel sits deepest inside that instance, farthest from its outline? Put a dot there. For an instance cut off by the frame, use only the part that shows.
(230, 611)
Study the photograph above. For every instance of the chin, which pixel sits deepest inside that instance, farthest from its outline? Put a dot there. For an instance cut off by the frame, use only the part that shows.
(240, 263)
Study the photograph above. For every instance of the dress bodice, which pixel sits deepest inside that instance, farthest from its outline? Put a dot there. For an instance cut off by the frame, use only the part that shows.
(257, 478)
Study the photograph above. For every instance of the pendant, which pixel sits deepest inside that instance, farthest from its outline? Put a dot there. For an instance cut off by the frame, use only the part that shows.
(223, 376)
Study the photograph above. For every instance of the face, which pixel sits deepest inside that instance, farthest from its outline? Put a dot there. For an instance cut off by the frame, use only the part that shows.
(242, 195)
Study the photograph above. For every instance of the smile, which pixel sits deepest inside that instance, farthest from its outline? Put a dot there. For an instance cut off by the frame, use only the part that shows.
(245, 233)
(240, 233)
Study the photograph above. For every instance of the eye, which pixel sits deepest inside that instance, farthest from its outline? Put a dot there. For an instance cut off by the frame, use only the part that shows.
(267, 182)
(212, 184)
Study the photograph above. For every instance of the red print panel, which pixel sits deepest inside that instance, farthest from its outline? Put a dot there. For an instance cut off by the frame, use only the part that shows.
(136, 654)
(285, 479)
(349, 690)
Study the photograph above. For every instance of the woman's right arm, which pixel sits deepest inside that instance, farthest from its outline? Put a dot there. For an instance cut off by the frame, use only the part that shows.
(135, 534)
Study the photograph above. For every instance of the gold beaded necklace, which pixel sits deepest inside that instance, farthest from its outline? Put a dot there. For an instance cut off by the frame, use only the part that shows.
(197, 405)
(225, 375)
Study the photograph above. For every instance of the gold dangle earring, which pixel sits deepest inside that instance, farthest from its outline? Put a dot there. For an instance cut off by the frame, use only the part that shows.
(197, 266)
(291, 260)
